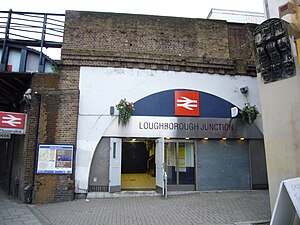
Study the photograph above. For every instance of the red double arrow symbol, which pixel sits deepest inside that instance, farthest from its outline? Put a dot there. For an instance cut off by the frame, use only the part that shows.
(12, 120)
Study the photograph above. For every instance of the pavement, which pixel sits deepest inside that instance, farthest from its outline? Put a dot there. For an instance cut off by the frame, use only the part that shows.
(14, 212)
(209, 208)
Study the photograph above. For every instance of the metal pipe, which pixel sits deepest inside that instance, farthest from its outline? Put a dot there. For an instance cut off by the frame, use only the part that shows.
(41, 61)
(166, 184)
(39, 99)
(267, 9)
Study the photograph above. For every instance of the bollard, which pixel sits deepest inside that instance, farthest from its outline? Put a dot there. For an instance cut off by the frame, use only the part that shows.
(166, 185)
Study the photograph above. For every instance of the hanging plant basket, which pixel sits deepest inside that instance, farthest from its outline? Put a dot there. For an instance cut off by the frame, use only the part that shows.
(249, 113)
(125, 110)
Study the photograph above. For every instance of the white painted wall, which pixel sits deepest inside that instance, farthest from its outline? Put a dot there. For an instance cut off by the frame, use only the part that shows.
(14, 59)
(281, 119)
(236, 16)
(271, 7)
(280, 102)
(101, 88)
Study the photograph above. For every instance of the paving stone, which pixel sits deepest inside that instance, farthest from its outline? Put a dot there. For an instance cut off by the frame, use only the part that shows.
(203, 208)
(15, 213)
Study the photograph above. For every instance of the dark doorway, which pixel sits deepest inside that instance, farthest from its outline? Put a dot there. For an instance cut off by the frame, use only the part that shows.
(138, 164)
(134, 157)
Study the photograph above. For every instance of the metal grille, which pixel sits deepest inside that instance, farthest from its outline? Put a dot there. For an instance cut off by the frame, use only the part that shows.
(98, 188)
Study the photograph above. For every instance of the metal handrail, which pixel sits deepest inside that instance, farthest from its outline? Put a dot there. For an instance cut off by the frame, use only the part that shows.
(30, 29)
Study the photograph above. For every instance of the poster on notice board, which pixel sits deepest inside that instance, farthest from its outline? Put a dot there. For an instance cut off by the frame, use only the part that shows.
(55, 159)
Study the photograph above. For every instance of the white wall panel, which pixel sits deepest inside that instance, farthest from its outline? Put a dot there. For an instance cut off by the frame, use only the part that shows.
(101, 88)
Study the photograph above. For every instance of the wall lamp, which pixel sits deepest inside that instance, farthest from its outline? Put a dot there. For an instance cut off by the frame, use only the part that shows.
(244, 90)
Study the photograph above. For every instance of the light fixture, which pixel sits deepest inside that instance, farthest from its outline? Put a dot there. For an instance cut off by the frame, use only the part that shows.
(242, 139)
(168, 138)
(187, 138)
(133, 139)
(205, 138)
(224, 138)
(244, 90)
(112, 110)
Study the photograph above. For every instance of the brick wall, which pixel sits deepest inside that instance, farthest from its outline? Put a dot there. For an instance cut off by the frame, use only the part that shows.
(154, 35)
(241, 47)
(241, 41)
(125, 41)
(154, 42)
(150, 42)
(57, 124)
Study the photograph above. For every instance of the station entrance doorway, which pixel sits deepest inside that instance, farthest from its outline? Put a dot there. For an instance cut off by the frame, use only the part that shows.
(151, 154)
(143, 164)
(138, 164)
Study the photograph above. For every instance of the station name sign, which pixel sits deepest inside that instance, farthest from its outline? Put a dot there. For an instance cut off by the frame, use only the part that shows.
(186, 126)
(182, 127)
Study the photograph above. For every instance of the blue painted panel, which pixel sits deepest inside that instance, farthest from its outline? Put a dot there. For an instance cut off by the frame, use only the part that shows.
(213, 106)
(163, 104)
(158, 104)
(223, 165)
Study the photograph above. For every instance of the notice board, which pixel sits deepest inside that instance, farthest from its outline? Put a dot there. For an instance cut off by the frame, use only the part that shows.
(55, 159)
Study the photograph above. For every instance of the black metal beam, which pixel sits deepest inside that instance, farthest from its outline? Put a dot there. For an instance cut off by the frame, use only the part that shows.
(41, 68)
(35, 13)
(4, 56)
(26, 76)
(23, 58)
(11, 86)
(47, 44)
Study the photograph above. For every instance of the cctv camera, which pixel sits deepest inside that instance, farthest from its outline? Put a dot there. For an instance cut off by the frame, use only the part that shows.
(28, 92)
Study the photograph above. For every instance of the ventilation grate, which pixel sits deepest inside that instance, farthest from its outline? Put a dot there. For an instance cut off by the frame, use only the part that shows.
(98, 188)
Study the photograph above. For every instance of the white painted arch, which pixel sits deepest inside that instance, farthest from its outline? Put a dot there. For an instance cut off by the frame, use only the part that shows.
(101, 88)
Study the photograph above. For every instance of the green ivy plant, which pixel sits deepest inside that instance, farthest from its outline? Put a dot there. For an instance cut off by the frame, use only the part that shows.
(125, 110)
(56, 70)
(249, 113)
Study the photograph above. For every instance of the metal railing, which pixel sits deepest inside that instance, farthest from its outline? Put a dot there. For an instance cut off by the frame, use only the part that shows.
(30, 29)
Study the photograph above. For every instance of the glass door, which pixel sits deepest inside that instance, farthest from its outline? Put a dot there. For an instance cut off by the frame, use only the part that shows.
(179, 158)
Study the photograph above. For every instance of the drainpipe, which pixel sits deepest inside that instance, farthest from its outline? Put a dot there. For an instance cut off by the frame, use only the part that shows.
(29, 189)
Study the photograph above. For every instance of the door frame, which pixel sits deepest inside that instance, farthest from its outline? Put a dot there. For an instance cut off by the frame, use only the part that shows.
(160, 165)
(115, 158)
(115, 165)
